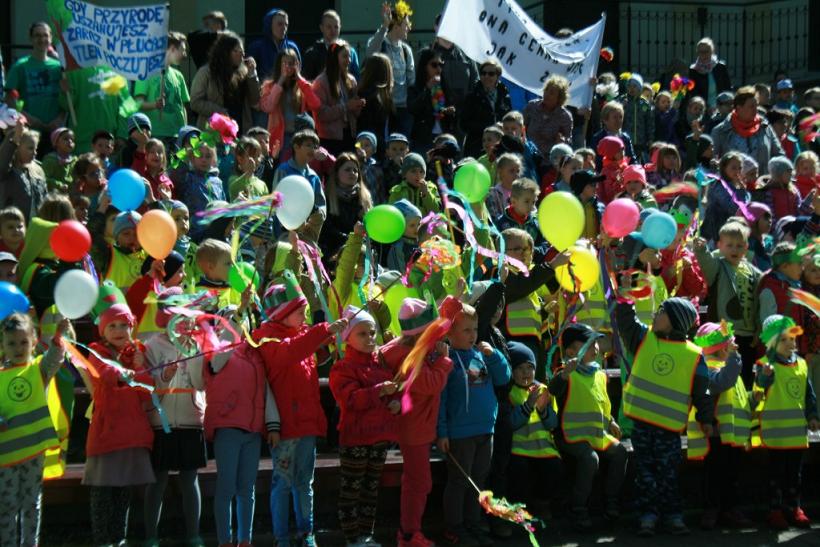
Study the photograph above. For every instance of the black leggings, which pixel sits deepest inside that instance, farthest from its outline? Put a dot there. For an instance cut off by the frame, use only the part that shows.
(109, 513)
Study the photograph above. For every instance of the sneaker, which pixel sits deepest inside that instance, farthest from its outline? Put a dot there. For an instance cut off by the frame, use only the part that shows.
(799, 519)
(777, 520)
(460, 536)
(709, 519)
(308, 540)
(481, 537)
(500, 528)
(646, 527)
(369, 541)
(581, 520)
(736, 519)
(677, 527)
(417, 539)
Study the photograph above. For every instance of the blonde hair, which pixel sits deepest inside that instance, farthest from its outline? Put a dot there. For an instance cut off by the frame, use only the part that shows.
(809, 156)
(513, 116)
(561, 84)
(211, 250)
(506, 159)
(156, 143)
(609, 108)
(523, 185)
(666, 149)
(511, 234)
(663, 94)
(734, 230)
(467, 312)
(18, 322)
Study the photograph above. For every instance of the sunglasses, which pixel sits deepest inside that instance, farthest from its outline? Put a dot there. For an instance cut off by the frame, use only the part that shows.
(489, 73)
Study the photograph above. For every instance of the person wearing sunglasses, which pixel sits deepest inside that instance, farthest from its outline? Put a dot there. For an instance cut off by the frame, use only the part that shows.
(484, 106)
(429, 102)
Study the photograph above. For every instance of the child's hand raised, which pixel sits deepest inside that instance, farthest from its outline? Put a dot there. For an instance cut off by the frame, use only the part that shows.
(293, 238)
(64, 326)
(559, 260)
(126, 375)
(337, 326)
(442, 349)
(544, 398)
(358, 229)
(699, 244)
(485, 348)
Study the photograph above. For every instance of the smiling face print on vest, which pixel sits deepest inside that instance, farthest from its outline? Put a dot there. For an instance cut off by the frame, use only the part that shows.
(793, 388)
(19, 390)
(663, 364)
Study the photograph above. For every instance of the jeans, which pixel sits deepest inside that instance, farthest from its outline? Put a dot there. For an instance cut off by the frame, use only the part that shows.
(237, 462)
(293, 463)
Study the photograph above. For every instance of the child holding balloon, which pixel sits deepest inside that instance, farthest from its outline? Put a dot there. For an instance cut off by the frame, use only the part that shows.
(120, 261)
(24, 378)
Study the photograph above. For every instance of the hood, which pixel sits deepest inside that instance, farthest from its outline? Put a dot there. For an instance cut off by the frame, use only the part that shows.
(266, 24)
(274, 329)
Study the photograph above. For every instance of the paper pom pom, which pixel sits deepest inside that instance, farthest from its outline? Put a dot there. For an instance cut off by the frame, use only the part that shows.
(8, 117)
(113, 85)
(607, 54)
(402, 10)
(625, 76)
(225, 126)
(656, 86)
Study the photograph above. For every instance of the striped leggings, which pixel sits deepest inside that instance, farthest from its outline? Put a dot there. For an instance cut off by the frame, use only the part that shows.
(361, 472)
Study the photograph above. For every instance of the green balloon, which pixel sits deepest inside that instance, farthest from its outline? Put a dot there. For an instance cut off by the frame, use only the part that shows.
(472, 181)
(384, 224)
(241, 274)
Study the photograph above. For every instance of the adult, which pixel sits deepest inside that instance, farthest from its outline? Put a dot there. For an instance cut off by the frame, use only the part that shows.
(711, 76)
(201, 40)
(376, 88)
(313, 61)
(429, 102)
(745, 130)
(228, 84)
(340, 105)
(485, 105)
(348, 199)
(36, 78)
(547, 120)
(284, 96)
(390, 39)
(22, 180)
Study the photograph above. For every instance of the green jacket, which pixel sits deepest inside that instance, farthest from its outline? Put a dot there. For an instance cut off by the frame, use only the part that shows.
(729, 297)
(639, 122)
(58, 175)
(431, 202)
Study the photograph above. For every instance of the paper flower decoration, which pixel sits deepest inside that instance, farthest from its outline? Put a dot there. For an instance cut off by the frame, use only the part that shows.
(809, 128)
(625, 76)
(402, 10)
(8, 117)
(225, 126)
(607, 54)
(113, 85)
(656, 86)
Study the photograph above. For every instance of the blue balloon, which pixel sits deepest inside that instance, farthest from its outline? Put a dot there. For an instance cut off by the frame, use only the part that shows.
(12, 300)
(127, 190)
(659, 230)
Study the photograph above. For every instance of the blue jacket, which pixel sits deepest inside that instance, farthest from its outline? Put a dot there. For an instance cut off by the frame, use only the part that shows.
(265, 50)
(290, 168)
(469, 407)
(197, 192)
(540, 245)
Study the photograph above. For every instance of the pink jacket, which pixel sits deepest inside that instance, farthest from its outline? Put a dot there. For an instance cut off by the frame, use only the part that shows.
(236, 394)
(269, 102)
(330, 115)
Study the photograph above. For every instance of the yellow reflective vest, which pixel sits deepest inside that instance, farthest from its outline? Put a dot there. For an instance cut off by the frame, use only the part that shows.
(524, 316)
(587, 410)
(124, 269)
(783, 418)
(734, 416)
(532, 440)
(29, 430)
(659, 389)
(148, 322)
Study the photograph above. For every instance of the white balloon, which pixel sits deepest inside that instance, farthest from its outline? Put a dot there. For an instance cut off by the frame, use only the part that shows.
(297, 201)
(75, 293)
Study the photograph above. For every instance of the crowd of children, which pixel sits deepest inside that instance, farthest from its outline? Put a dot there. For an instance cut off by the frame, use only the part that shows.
(493, 361)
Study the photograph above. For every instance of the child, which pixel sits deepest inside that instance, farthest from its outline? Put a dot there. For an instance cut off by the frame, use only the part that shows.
(102, 144)
(507, 170)
(403, 250)
(290, 365)
(568, 166)
(366, 146)
(584, 185)
(612, 119)
(777, 191)
(781, 122)
(666, 362)
(666, 116)
(773, 290)
(732, 282)
(12, 231)
(26, 429)
(397, 149)
(667, 167)
(466, 422)
(679, 268)
(57, 165)
(421, 193)
(8, 267)
(760, 239)
(722, 453)
(520, 213)
(22, 179)
(244, 182)
(638, 117)
(139, 131)
(806, 167)
(417, 423)
(636, 187)
(169, 272)
(304, 145)
(213, 258)
(724, 196)
(200, 186)
(489, 139)
(788, 403)
(587, 156)
(120, 261)
(512, 124)
(363, 387)
(120, 438)
(267, 164)
(154, 170)
(700, 150)
(611, 151)
(557, 154)
(749, 170)
(784, 96)
(589, 431)
(89, 178)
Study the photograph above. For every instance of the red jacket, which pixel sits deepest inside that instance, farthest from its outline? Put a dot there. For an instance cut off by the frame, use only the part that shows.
(236, 394)
(418, 426)
(290, 365)
(806, 184)
(120, 419)
(364, 417)
(780, 290)
(270, 102)
(691, 283)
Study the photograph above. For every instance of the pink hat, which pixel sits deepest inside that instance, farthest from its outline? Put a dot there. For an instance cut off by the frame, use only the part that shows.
(54, 135)
(609, 146)
(758, 209)
(634, 173)
(713, 337)
(415, 315)
(117, 312)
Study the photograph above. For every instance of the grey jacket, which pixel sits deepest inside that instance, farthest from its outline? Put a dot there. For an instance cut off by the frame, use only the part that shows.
(23, 188)
(401, 59)
(762, 146)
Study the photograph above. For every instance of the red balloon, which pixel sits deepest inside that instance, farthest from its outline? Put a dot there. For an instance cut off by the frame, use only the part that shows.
(70, 241)
(620, 217)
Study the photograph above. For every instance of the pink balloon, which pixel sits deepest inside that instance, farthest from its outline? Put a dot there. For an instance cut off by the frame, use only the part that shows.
(621, 217)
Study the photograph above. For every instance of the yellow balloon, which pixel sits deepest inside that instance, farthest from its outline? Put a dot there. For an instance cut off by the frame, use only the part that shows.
(561, 219)
(585, 269)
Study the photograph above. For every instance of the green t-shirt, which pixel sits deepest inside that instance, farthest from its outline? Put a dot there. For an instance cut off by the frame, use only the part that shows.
(176, 95)
(38, 83)
(251, 186)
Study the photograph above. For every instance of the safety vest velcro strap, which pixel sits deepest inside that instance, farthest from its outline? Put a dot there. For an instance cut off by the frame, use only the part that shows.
(734, 429)
(532, 444)
(28, 418)
(660, 391)
(583, 417)
(523, 323)
(584, 431)
(784, 432)
(45, 434)
(784, 414)
(657, 408)
(696, 442)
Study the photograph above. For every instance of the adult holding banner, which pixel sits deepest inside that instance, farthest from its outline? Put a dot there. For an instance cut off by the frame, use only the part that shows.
(228, 84)
(547, 120)
(485, 105)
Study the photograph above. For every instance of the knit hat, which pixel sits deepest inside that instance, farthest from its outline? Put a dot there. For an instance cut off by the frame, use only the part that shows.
(186, 132)
(635, 79)
(397, 137)
(609, 146)
(303, 121)
(634, 173)
(55, 135)
(578, 332)
(283, 297)
(124, 221)
(559, 151)
(778, 165)
(775, 325)
(713, 337)
(109, 295)
(520, 354)
(725, 97)
(370, 137)
(411, 161)
(355, 316)
(407, 209)
(36, 245)
(682, 314)
(759, 210)
(164, 315)
(173, 262)
(581, 179)
(138, 121)
(117, 312)
(747, 164)
(171, 205)
(785, 254)
(415, 315)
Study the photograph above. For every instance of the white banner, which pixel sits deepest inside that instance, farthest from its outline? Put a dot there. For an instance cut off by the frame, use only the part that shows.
(502, 30)
(131, 40)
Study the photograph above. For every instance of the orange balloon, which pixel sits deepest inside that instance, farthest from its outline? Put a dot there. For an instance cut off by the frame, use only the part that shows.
(157, 233)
